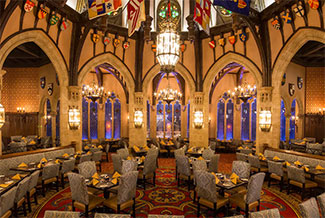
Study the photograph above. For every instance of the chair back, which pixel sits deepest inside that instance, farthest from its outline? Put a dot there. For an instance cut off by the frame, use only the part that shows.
(106, 215)
(7, 200)
(207, 154)
(275, 167)
(97, 156)
(254, 161)
(150, 164)
(107, 148)
(254, 188)
(117, 162)
(93, 150)
(199, 165)
(205, 185)
(246, 151)
(85, 157)
(296, 174)
(321, 202)
(214, 163)
(309, 209)
(61, 214)
(127, 188)
(87, 169)
(68, 165)
(179, 151)
(33, 180)
(50, 171)
(183, 165)
(129, 165)
(241, 168)
(241, 156)
(212, 145)
(123, 152)
(22, 189)
(79, 191)
(153, 151)
(272, 213)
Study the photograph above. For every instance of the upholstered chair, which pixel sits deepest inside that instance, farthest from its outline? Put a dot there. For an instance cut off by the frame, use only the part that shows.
(125, 194)
(184, 170)
(107, 146)
(256, 165)
(85, 157)
(236, 216)
(31, 191)
(106, 215)
(129, 165)
(178, 152)
(276, 172)
(246, 151)
(241, 156)
(241, 169)
(79, 194)
(214, 163)
(321, 202)
(97, 157)
(123, 152)
(272, 213)
(67, 166)
(20, 197)
(7, 202)
(199, 165)
(296, 177)
(309, 209)
(251, 199)
(207, 153)
(50, 174)
(149, 170)
(117, 163)
(153, 151)
(207, 192)
(87, 169)
(61, 214)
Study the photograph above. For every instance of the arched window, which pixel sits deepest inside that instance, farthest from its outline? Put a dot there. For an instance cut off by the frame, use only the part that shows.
(84, 119)
(168, 120)
(117, 119)
(93, 120)
(221, 119)
(292, 121)
(245, 121)
(148, 119)
(57, 121)
(229, 120)
(253, 121)
(177, 119)
(283, 122)
(48, 118)
(188, 120)
(160, 120)
(108, 119)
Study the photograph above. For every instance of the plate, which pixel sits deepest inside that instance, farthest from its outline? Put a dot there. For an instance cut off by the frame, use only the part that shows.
(227, 184)
(244, 180)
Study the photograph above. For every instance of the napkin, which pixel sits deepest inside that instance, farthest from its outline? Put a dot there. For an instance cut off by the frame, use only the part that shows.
(16, 177)
(22, 165)
(43, 159)
(234, 178)
(100, 147)
(143, 158)
(200, 158)
(116, 175)
(240, 148)
(297, 163)
(263, 158)
(5, 185)
(93, 146)
(146, 147)
(190, 150)
(215, 176)
(261, 155)
(287, 163)
(86, 147)
(276, 158)
(94, 181)
(136, 149)
(319, 167)
(78, 152)
(250, 154)
(163, 143)
(96, 176)
(114, 181)
(129, 158)
(306, 168)
(32, 142)
(88, 152)
(75, 156)
(65, 155)
(39, 165)
(57, 161)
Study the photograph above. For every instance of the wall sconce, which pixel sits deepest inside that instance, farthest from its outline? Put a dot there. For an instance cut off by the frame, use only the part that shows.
(2, 115)
(198, 119)
(138, 119)
(265, 121)
(74, 117)
(20, 110)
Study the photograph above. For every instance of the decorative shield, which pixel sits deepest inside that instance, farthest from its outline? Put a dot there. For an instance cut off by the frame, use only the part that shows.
(57, 79)
(276, 23)
(212, 44)
(299, 10)
(291, 89)
(64, 24)
(314, 4)
(154, 48)
(243, 37)
(42, 12)
(232, 39)
(50, 89)
(42, 82)
(126, 44)
(94, 37)
(283, 81)
(299, 82)
(286, 17)
(54, 19)
(107, 40)
(116, 42)
(29, 5)
(183, 47)
(222, 42)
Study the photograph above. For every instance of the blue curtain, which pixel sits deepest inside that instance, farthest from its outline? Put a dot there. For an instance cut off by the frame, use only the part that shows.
(245, 121)
(177, 119)
(188, 121)
(221, 119)
(253, 120)
(292, 134)
(283, 122)
(57, 121)
(84, 119)
(148, 119)
(108, 119)
(230, 120)
(49, 121)
(93, 120)
(117, 119)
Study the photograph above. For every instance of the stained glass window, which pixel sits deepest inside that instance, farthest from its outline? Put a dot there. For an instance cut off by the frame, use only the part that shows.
(117, 119)
(283, 122)
(57, 120)
(160, 120)
(49, 120)
(108, 119)
(168, 120)
(188, 121)
(93, 120)
(245, 121)
(221, 119)
(177, 119)
(253, 121)
(84, 119)
(148, 119)
(292, 134)
(229, 119)
(175, 11)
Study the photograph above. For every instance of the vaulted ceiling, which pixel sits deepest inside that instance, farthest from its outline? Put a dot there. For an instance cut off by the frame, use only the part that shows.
(312, 54)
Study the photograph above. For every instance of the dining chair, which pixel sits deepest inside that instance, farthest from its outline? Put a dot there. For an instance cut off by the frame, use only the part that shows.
(129, 165)
(276, 173)
(214, 163)
(79, 194)
(67, 166)
(107, 151)
(50, 174)
(321, 202)
(242, 170)
(97, 157)
(149, 170)
(309, 209)
(207, 153)
(31, 191)
(87, 169)
(184, 170)
(61, 214)
(117, 163)
(272, 213)
(199, 165)
(252, 198)
(246, 151)
(109, 215)
(85, 157)
(125, 194)
(296, 177)
(207, 194)
(236, 216)
(241, 156)
(20, 197)
(123, 152)
(7, 202)
(256, 165)
(178, 152)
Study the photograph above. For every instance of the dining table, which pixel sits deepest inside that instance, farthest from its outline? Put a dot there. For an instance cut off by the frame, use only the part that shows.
(225, 183)
(8, 182)
(104, 183)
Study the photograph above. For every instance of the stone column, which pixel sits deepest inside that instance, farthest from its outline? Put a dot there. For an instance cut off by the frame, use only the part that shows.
(137, 136)
(2, 73)
(153, 121)
(300, 125)
(287, 130)
(53, 119)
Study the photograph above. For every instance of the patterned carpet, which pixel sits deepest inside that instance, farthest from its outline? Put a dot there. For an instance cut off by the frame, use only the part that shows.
(167, 198)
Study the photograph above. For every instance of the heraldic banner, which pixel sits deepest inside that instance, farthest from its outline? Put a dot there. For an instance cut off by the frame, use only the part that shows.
(97, 8)
(238, 6)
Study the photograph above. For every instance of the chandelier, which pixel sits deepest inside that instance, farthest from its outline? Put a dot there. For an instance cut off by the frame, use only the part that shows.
(168, 95)
(243, 92)
(93, 92)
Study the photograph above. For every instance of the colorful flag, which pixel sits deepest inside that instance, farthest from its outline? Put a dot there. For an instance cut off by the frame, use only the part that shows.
(238, 6)
(136, 14)
(202, 14)
(97, 8)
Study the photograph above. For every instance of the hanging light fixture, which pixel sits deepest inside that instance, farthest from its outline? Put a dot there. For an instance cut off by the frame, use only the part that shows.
(93, 92)
(243, 92)
(168, 95)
